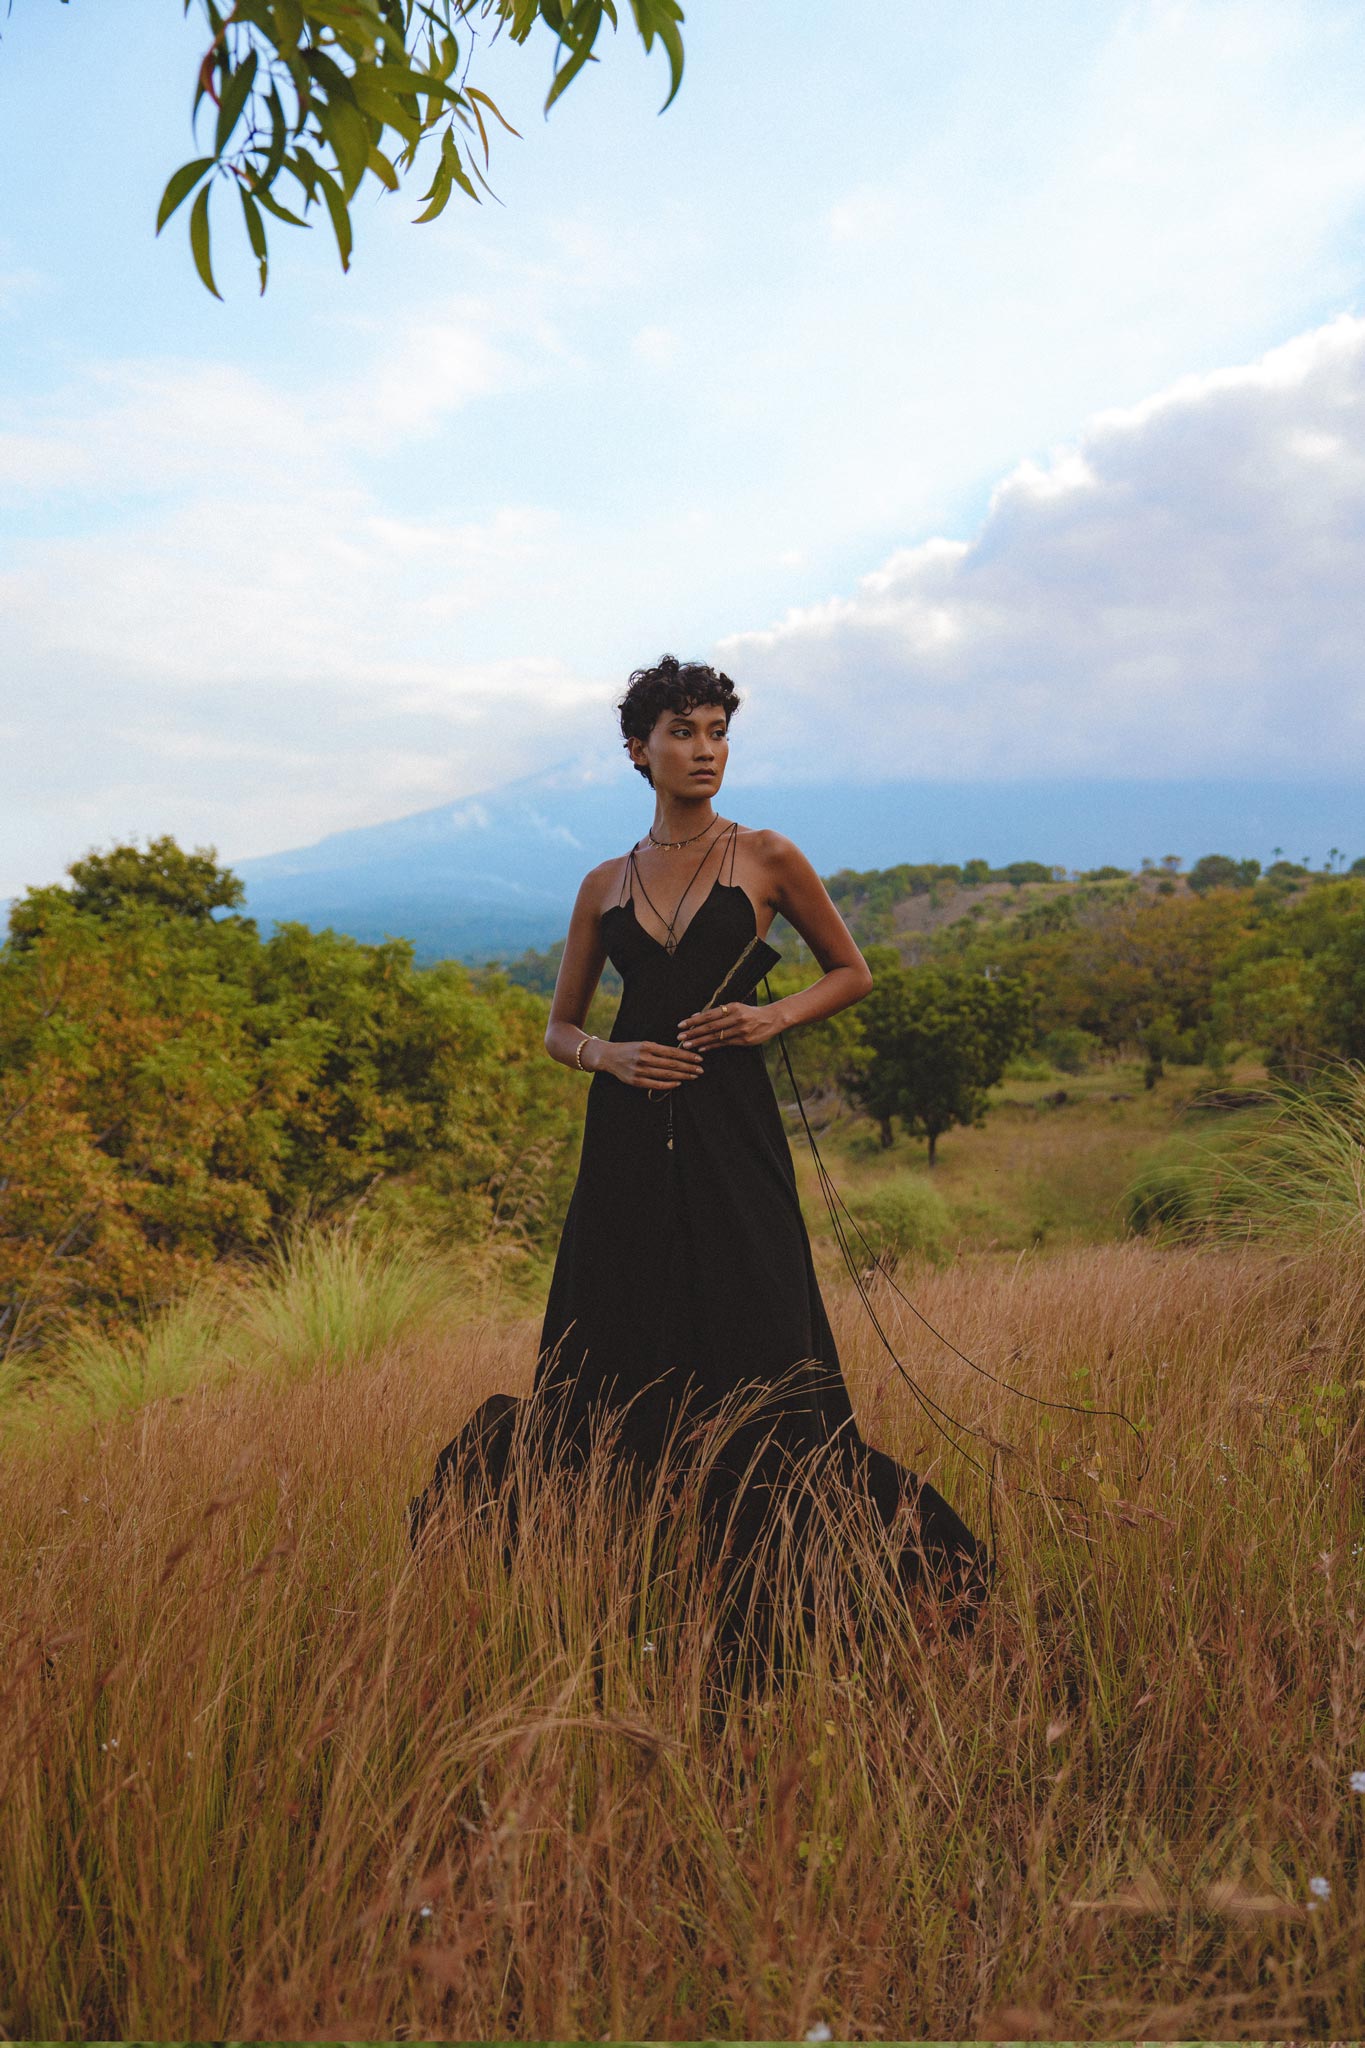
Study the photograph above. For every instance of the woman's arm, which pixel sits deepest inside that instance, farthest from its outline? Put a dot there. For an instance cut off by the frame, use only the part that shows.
(580, 970)
(798, 893)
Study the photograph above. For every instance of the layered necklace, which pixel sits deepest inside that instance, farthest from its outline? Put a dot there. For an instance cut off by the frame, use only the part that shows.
(670, 940)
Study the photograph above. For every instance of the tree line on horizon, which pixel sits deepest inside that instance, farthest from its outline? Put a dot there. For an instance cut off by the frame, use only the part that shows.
(177, 1090)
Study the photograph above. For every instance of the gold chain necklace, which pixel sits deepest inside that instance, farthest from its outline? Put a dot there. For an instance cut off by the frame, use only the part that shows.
(670, 844)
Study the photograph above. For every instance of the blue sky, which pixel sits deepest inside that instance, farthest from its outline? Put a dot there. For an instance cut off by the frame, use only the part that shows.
(983, 386)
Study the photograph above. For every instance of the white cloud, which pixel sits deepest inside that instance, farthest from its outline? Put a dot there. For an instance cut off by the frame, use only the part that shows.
(1183, 592)
(409, 532)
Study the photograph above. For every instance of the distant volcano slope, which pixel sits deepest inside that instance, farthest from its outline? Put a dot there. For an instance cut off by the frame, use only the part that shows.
(489, 875)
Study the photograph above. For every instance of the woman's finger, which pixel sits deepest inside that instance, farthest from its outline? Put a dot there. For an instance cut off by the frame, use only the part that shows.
(677, 1058)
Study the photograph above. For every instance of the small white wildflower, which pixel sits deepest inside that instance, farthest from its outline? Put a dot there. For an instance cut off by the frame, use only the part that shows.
(1320, 1888)
(113, 1742)
(424, 1913)
(1222, 1478)
(648, 1648)
(819, 2032)
(1358, 1781)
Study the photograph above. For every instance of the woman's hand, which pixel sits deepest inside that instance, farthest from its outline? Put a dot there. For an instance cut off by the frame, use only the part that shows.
(729, 1024)
(640, 1063)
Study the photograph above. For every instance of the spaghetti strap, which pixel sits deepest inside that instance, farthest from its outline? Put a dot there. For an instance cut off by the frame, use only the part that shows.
(734, 834)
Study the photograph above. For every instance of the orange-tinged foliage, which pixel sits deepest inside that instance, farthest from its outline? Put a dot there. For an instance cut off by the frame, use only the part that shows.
(174, 1089)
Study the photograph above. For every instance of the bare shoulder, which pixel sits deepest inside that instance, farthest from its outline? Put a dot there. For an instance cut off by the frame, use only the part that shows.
(767, 844)
(602, 884)
(772, 851)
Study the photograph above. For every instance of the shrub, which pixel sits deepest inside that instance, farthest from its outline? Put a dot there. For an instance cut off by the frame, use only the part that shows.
(1027, 1066)
(905, 1217)
(1069, 1048)
(1169, 1197)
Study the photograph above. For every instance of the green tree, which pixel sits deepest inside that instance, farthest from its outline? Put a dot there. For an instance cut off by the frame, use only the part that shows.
(1018, 872)
(174, 1090)
(310, 98)
(937, 1042)
(1296, 987)
(161, 878)
(1217, 871)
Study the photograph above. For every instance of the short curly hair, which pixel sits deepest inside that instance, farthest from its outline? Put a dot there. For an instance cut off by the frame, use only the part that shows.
(671, 685)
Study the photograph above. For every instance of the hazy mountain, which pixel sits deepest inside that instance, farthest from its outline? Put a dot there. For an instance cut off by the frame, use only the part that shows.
(490, 874)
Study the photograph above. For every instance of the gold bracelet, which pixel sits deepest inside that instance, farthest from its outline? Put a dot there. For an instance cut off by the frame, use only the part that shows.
(578, 1055)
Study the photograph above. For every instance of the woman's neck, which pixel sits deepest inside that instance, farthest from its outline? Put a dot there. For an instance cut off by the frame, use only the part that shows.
(676, 818)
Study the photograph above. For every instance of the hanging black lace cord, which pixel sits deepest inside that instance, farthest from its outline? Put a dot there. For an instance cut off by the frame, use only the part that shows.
(930, 1407)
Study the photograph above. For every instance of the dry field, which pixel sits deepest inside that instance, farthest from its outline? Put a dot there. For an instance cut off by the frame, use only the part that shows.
(263, 1775)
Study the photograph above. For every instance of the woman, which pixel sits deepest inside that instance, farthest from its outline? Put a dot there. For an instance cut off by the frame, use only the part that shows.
(684, 1268)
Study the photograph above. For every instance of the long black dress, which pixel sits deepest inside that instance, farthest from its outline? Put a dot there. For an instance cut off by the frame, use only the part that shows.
(685, 1262)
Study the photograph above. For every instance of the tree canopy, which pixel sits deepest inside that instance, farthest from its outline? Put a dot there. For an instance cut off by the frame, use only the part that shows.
(307, 99)
(939, 1041)
(174, 1089)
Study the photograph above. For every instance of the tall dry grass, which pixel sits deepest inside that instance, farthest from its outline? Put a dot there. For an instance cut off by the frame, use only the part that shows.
(263, 1775)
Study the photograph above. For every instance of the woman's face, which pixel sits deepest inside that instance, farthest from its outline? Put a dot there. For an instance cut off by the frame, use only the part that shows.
(687, 751)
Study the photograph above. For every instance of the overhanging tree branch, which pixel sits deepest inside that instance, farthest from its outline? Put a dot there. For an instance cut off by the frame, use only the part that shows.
(312, 97)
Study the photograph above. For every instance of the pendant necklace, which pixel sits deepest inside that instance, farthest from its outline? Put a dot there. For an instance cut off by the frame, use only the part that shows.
(671, 843)
(671, 936)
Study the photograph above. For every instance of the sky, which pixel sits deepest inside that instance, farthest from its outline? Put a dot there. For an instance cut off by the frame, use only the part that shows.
(982, 387)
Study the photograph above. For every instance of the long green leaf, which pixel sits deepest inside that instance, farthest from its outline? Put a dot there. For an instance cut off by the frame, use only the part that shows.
(566, 74)
(406, 78)
(383, 106)
(233, 100)
(662, 18)
(383, 169)
(346, 128)
(472, 92)
(341, 219)
(279, 137)
(437, 197)
(451, 159)
(199, 239)
(272, 205)
(179, 186)
(255, 228)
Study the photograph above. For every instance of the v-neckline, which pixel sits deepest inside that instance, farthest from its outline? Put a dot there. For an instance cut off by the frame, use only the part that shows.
(734, 887)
